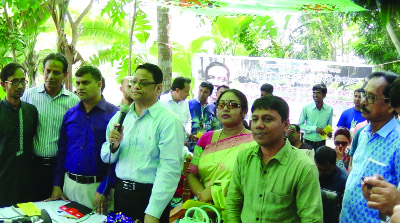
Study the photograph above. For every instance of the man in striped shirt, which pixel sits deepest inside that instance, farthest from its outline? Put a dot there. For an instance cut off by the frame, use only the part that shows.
(52, 100)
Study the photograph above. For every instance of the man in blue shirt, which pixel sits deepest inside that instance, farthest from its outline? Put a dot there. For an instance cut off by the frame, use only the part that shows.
(83, 131)
(315, 117)
(352, 116)
(147, 151)
(385, 196)
(378, 149)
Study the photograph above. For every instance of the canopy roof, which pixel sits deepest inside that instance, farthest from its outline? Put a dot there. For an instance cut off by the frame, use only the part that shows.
(260, 7)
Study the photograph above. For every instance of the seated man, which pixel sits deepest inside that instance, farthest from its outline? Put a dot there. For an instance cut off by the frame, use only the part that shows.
(331, 177)
(332, 180)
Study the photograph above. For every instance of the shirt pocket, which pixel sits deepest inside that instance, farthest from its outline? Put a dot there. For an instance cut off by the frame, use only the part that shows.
(279, 207)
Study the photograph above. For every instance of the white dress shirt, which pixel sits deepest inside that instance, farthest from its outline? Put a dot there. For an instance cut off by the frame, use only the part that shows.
(181, 109)
(150, 152)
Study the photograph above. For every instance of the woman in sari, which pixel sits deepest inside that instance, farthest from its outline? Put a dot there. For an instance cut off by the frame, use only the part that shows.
(215, 153)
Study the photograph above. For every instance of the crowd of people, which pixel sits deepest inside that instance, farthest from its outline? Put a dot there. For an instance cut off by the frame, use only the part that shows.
(56, 144)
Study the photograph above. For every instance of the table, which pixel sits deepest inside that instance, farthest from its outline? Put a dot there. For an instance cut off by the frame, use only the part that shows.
(57, 216)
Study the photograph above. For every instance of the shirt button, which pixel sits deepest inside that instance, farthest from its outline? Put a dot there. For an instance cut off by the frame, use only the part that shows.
(257, 219)
(260, 195)
(265, 172)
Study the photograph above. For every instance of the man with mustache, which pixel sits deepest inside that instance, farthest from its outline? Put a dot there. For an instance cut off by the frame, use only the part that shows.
(384, 196)
(18, 127)
(378, 149)
(315, 117)
(52, 100)
(273, 181)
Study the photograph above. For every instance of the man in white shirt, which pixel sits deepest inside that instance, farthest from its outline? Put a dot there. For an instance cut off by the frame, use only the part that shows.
(147, 151)
(175, 101)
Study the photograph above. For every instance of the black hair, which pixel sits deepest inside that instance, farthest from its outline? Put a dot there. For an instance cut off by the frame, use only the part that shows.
(389, 78)
(222, 86)
(274, 103)
(207, 85)
(240, 95)
(103, 81)
(58, 57)
(213, 64)
(360, 90)
(325, 154)
(88, 69)
(321, 87)
(9, 70)
(267, 88)
(296, 126)
(179, 83)
(154, 70)
(394, 93)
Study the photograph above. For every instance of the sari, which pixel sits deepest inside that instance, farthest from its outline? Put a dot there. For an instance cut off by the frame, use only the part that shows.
(214, 162)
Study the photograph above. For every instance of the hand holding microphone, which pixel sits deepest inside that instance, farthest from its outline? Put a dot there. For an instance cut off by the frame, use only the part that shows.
(117, 133)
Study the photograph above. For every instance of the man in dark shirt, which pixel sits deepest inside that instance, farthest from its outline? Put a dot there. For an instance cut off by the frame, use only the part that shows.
(332, 180)
(18, 127)
(82, 134)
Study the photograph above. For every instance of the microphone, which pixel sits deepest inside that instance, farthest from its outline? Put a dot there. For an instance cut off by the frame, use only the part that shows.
(124, 110)
(44, 215)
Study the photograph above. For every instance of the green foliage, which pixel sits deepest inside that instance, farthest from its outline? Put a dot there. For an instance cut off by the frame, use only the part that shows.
(19, 28)
(116, 49)
(115, 11)
(2, 93)
(261, 37)
(226, 31)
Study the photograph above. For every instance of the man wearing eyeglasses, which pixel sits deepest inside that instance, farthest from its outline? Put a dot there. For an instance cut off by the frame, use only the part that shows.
(147, 151)
(378, 149)
(52, 100)
(315, 117)
(18, 127)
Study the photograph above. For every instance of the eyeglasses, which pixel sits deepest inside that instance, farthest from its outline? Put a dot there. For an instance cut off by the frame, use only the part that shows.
(370, 98)
(16, 82)
(230, 105)
(140, 83)
(343, 143)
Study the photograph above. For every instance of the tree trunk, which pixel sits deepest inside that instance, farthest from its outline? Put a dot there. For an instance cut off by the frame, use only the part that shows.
(164, 46)
(393, 37)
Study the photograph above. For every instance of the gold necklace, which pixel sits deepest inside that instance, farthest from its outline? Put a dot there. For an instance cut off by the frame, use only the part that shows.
(216, 143)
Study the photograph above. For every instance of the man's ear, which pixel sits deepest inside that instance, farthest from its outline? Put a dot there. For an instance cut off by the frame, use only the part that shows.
(391, 110)
(3, 84)
(100, 84)
(159, 88)
(286, 124)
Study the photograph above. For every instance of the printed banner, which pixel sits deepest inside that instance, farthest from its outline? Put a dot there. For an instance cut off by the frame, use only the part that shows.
(292, 79)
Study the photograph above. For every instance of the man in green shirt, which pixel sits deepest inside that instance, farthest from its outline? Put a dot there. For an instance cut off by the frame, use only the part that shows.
(274, 181)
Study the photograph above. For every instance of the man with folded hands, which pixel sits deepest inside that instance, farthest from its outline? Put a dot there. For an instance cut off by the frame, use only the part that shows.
(83, 131)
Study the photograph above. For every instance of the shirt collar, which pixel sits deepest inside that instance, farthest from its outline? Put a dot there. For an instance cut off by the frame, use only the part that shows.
(282, 156)
(153, 110)
(102, 104)
(385, 130)
(42, 89)
(7, 104)
(315, 106)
